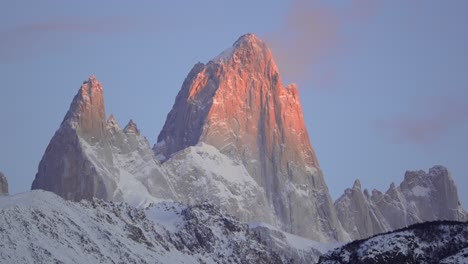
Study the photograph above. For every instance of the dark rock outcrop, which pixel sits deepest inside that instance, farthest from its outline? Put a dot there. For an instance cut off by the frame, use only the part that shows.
(3, 184)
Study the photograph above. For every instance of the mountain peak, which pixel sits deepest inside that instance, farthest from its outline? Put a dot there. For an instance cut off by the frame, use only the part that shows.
(247, 49)
(248, 38)
(357, 185)
(93, 83)
(131, 127)
(238, 104)
(92, 77)
(86, 113)
(112, 124)
(111, 119)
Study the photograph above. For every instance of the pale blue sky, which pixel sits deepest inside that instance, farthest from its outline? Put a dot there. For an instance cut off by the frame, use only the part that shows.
(383, 84)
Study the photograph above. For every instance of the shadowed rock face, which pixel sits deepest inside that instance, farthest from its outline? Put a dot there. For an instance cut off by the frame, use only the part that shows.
(420, 197)
(88, 157)
(64, 168)
(238, 104)
(3, 184)
(356, 214)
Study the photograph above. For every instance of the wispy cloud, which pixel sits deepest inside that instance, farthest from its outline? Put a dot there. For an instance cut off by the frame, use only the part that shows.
(75, 24)
(32, 39)
(312, 32)
(439, 118)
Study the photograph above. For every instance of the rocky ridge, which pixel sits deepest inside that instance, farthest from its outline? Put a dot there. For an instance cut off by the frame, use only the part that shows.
(430, 242)
(236, 138)
(419, 198)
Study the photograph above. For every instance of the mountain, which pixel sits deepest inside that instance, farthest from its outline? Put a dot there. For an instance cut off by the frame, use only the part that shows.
(41, 227)
(419, 198)
(91, 157)
(235, 137)
(238, 104)
(431, 242)
(3, 184)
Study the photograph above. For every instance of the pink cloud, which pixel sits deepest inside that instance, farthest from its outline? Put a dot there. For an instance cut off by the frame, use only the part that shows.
(441, 116)
(312, 32)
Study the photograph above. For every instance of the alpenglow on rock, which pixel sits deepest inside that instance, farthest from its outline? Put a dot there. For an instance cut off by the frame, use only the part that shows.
(420, 197)
(3, 184)
(238, 104)
(89, 157)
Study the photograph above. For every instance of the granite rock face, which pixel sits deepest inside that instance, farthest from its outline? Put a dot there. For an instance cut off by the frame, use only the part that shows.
(235, 137)
(65, 169)
(419, 198)
(238, 104)
(89, 157)
(3, 184)
(357, 215)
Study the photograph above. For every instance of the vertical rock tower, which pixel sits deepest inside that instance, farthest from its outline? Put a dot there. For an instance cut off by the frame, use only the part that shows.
(65, 168)
(238, 104)
(89, 157)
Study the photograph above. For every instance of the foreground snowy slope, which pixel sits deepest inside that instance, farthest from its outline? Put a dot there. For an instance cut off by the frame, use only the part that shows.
(431, 242)
(41, 227)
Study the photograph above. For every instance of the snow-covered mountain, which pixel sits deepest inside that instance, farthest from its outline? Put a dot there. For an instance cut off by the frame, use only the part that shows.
(41, 227)
(235, 137)
(431, 242)
(419, 198)
(237, 103)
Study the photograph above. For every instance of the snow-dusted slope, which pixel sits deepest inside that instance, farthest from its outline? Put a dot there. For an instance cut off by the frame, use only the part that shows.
(420, 197)
(202, 172)
(291, 246)
(431, 242)
(41, 227)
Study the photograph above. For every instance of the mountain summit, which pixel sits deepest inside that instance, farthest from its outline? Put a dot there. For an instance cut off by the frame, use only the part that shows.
(238, 104)
(86, 112)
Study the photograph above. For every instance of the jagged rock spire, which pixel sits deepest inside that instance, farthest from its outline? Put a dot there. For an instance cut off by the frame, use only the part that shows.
(420, 197)
(131, 127)
(65, 167)
(357, 184)
(87, 114)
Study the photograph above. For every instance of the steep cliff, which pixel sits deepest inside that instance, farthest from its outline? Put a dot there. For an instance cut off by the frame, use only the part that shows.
(238, 104)
(89, 157)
